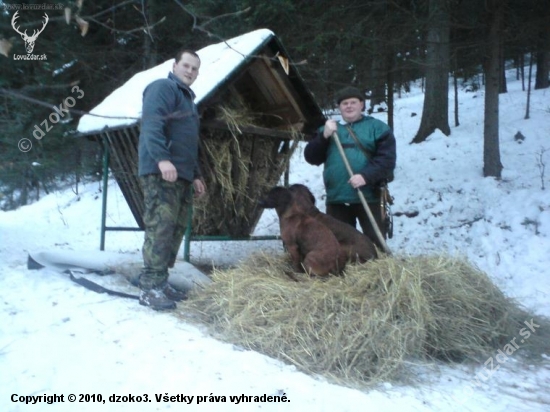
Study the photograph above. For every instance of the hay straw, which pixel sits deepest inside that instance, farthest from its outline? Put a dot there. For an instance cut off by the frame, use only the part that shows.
(238, 169)
(364, 327)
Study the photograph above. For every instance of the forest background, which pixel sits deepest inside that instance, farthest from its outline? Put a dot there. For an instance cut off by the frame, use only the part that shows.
(380, 46)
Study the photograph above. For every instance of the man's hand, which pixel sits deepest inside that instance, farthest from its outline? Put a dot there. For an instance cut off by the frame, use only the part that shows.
(168, 170)
(330, 128)
(199, 187)
(356, 181)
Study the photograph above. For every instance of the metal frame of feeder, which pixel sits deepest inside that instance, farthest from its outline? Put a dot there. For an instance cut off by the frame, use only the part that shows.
(188, 237)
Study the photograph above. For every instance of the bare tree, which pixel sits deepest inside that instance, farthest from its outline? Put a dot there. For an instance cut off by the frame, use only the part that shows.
(528, 105)
(543, 68)
(149, 46)
(491, 150)
(543, 54)
(435, 112)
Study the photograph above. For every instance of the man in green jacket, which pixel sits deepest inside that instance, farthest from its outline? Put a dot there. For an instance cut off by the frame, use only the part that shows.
(369, 145)
(168, 166)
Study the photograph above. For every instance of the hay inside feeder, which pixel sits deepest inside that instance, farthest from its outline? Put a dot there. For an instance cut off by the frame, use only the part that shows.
(238, 168)
(364, 327)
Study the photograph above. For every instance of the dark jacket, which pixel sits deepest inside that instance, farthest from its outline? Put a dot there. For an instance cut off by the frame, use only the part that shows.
(376, 137)
(169, 128)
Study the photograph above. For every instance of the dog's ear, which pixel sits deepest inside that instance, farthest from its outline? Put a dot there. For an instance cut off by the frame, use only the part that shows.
(267, 200)
(276, 192)
(311, 197)
(274, 197)
(304, 190)
(285, 195)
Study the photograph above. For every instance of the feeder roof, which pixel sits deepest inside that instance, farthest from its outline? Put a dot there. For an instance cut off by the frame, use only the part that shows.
(219, 62)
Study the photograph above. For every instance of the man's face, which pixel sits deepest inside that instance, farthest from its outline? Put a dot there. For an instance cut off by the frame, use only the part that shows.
(351, 109)
(187, 69)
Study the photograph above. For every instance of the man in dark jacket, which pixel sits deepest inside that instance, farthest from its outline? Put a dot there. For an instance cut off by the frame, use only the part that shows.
(371, 163)
(168, 166)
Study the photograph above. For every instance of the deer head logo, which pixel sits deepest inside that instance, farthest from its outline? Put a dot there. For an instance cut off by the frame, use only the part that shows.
(29, 40)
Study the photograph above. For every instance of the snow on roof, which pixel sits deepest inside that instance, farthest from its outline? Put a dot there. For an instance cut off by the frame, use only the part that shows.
(123, 106)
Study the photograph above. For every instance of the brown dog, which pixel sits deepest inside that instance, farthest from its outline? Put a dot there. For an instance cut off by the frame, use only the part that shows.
(311, 245)
(357, 246)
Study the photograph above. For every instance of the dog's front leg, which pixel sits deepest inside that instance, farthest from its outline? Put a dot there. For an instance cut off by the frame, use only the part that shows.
(295, 257)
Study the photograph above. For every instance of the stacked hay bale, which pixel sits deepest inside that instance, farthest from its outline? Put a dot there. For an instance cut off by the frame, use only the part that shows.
(365, 326)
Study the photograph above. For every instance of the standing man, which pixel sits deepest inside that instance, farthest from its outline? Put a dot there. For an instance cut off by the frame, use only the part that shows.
(168, 166)
(369, 145)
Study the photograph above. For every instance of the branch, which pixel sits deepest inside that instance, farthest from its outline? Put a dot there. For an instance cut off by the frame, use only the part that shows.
(211, 19)
(17, 95)
(188, 12)
(469, 223)
(221, 16)
(202, 28)
(144, 15)
(13, 94)
(146, 28)
(62, 17)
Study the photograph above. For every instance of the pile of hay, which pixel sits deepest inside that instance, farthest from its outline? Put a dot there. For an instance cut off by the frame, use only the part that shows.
(364, 327)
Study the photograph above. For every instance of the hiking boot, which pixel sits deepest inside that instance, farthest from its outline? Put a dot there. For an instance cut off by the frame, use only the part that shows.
(172, 293)
(134, 280)
(156, 300)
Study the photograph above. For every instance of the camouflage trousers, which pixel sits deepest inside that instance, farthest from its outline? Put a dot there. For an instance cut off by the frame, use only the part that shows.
(165, 218)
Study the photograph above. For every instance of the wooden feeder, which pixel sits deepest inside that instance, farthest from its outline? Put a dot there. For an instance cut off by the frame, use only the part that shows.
(251, 121)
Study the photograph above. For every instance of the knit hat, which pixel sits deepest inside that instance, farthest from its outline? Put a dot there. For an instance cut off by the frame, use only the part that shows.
(348, 93)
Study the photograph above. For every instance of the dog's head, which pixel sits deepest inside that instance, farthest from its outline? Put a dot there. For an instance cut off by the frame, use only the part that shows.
(302, 193)
(278, 198)
(303, 198)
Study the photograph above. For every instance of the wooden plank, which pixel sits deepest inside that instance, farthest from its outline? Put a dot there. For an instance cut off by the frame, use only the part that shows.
(284, 84)
(261, 131)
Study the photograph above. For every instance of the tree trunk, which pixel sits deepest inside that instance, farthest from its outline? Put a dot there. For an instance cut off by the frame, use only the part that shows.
(527, 107)
(522, 69)
(543, 70)
(455, 85)
(390, 80)
(502, 87)
(378, 79)
(435, 112)
(491, 150)
(149, 57)
(543, 55)
(77, 168)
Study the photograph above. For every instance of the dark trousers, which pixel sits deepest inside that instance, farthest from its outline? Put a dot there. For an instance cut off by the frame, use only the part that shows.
(350, 213)
(165, 218)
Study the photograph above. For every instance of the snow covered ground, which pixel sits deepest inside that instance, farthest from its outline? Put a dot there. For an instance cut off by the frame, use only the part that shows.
(57, 338)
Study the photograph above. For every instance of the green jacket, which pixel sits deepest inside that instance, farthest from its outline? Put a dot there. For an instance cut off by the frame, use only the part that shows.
(376, 137)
